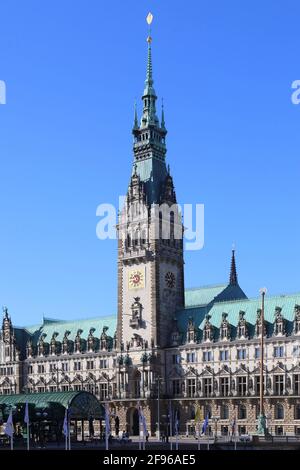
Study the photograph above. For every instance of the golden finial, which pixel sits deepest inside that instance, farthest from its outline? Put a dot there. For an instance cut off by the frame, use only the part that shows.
(149, 20)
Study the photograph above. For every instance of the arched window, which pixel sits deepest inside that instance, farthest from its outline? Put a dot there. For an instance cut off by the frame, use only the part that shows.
(172, 227)
(279, 411)
(224, 412)
(242, 414)
(160, 225)
(297, 411)
(136, 238)
(144, 237)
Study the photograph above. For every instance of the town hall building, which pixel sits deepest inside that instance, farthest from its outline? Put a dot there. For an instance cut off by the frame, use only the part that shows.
(168, 347)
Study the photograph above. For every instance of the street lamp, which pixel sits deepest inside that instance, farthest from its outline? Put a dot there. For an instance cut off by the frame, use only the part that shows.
(262, 418)
(158, 381)
(215, 419)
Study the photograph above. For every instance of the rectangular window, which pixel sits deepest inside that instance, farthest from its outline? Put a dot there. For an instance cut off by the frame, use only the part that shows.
(279, 384)
(241, 354)
(29, 370)
(242, 386)
(191, 384)
(207, 387)
(90, 365)
(103, 363)
(103, 391)
(297, 384)
(77, 365)
(278, 351)
(65, 388)
(225, 386)
(224, 355)
(191, 357)
(64, 366)
(207, 356)
(41, 369)
(257, 353)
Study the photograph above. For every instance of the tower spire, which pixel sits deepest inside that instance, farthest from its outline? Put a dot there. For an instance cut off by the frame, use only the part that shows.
(233, 280)
(149, 78)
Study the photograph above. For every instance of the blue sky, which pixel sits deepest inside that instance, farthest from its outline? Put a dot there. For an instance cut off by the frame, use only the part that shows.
(73, 70)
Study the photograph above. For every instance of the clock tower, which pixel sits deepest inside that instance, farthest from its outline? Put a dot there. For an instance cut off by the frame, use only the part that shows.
(150, 245)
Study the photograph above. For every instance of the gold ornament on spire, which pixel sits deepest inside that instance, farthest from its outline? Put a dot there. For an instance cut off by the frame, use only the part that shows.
(149, 20)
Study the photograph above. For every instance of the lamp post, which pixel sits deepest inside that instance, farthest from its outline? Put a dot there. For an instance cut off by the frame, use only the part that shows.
(158, 380)
(215, 420)
(262, 418)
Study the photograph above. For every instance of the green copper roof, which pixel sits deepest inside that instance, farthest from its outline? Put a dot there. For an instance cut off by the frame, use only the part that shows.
(232, 308)
(250, 307)
(49, 326)
(202, 295)
(82, 404)
(152, 173)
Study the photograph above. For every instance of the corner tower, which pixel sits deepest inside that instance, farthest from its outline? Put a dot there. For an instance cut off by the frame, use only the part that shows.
(150, 245)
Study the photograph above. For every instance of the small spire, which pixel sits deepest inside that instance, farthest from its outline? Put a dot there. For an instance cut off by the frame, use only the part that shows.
(5, 312)
(135, 123)
(233, 280)
(163, 126)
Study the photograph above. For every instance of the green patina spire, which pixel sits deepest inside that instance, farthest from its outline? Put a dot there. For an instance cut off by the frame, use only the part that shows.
(149, 77)
(149, 95)
(149, 145)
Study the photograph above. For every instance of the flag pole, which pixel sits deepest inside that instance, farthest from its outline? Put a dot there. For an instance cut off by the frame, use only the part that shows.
(207, 437)
(171, 427)
(28, 436)
(107, 425)
(69, 431)
(66, 430)
(139, 410)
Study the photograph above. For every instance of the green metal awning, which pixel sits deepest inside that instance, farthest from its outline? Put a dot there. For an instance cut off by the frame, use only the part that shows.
(82, 405)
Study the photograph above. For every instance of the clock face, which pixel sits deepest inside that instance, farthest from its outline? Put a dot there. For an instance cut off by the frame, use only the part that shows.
(170, 280)
(136, 279)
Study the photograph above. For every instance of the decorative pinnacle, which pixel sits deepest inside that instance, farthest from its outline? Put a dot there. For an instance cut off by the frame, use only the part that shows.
(233, 280)
(162, 115)
(135, 123)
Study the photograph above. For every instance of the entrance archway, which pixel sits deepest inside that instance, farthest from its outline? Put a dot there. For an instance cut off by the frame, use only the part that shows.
(132, 420)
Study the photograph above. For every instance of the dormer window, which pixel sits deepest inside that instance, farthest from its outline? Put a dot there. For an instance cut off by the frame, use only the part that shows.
(191, 332)
(242, 330)
(208, 330)
(258, 326)
(297, 320)
(279, 322)
(224, 328)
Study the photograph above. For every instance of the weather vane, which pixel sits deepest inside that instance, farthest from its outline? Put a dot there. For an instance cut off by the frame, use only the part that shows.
(149, 20)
